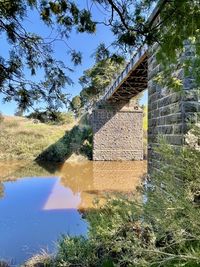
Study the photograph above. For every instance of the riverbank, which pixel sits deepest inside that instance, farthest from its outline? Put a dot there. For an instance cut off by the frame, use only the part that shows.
(21, 138)
(26, 139)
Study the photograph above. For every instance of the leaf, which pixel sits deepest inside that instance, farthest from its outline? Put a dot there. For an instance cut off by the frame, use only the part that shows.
(108, 263)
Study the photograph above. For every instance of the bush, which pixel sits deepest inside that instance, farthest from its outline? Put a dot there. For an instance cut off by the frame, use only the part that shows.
(40, 260)
(163, 230)
(73, 251)
(55, 117)
(68, 117)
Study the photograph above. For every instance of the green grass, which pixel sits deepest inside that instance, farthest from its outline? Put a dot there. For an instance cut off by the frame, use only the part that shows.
(20, 138)
(145, 129)
(145, 118)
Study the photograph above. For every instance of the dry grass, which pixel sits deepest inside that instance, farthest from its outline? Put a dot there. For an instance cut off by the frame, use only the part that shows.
(40, 260)
(21, 138)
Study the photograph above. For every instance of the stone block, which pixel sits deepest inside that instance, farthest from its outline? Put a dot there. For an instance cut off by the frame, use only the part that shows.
(190, 106)
(174, 118)
(167, 129)
(174, 139)
(161, 121)
(153, 105)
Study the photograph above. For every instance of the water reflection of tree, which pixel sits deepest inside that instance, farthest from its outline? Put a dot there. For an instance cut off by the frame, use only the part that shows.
(12, 172)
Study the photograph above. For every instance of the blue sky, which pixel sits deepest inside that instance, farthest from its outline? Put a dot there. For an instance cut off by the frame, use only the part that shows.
(84, 43)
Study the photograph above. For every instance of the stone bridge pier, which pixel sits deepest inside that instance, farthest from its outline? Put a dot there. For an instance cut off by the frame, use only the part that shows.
(117, 126)
(118, 132)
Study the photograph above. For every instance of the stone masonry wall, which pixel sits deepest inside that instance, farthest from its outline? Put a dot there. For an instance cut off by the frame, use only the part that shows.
(170, 114)
(117, 133)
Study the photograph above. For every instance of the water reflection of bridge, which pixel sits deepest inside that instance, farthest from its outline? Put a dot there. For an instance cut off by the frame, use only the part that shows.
(79, 183)
(94, 179)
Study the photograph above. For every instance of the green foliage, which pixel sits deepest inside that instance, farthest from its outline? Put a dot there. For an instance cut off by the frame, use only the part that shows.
(176, 34)
(179, 42)
(40, 260)
(75, 105)
(160, 230)
(78, 140)
(72, 252)
(95, 80)
(67, 117)
(145, 118)
(54, 117)
(31, 51)
(127, 20)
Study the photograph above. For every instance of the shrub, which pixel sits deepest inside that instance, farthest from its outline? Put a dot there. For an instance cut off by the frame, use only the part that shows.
(163, 230)
(55, 117)
(72, 251)
(40, 260)
(68, 117)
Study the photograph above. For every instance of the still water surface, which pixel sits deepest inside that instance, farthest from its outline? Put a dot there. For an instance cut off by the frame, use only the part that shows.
(40, 203)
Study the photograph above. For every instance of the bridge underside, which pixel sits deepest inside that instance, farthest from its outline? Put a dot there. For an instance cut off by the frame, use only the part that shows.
(135, 83)
(132, 81)
(117, 121)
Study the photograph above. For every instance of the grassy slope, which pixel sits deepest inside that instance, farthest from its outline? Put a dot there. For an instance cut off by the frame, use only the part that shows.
(20, 138)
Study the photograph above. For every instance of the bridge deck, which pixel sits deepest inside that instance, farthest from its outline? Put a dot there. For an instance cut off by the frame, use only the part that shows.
(131, 81)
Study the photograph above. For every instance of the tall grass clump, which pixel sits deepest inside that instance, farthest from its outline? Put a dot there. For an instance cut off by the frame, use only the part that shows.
(161, 230)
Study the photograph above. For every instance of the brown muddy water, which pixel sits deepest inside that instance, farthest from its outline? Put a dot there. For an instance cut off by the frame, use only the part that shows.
(39, 203)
